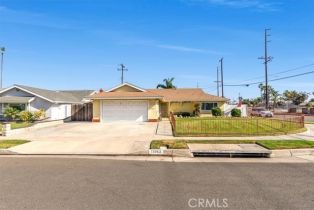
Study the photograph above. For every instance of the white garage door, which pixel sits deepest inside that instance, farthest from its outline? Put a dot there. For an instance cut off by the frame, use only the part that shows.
(124, 110)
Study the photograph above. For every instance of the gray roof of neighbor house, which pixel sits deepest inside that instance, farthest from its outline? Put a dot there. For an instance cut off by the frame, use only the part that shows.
(15, 99)
(67, 96)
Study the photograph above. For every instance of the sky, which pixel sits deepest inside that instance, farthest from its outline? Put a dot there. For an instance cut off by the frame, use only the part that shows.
(78, 44)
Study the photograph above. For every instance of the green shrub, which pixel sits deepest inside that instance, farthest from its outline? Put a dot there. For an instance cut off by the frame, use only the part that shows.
(216, 112)
(39, 114)
(11, 113)
(236, 113)
(26, 116)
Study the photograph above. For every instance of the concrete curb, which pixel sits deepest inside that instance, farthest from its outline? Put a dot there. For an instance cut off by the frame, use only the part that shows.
(181, 153)
(291, 152)
(7, 152)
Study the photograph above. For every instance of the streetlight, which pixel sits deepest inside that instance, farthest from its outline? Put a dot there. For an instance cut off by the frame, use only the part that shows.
(2, 50)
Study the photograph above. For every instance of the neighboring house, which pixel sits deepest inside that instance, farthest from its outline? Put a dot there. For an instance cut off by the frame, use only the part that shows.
(132, 103)
(57, 104)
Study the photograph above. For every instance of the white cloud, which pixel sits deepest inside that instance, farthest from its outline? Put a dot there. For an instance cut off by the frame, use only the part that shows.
(186, 49)
(254, 4)
(9, 15)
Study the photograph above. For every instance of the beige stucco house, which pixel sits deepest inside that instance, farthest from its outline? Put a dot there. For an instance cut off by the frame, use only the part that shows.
(132, 103)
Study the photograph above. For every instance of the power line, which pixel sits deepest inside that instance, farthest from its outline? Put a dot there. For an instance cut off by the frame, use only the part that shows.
(272, 80)
(280, 72)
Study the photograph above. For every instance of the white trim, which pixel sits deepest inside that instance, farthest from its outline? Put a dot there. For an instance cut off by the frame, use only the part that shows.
(25, 90)
(127, 84)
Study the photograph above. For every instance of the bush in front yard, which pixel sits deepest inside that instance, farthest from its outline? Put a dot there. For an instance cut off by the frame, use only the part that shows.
(216, 112)
(39, 114)
(26, 116)
(11, 113)
(236, 113)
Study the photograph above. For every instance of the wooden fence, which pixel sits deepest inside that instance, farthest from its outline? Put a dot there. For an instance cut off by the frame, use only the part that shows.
(82, 112)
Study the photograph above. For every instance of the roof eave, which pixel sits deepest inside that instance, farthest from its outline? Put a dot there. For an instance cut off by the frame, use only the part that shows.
(123, 98)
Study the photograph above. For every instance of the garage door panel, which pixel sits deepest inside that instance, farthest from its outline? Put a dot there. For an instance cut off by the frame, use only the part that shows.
(124, 110)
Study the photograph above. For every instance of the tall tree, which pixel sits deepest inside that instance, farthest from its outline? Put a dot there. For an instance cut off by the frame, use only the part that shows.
(296, 97)
(274, 94)
(168, 84)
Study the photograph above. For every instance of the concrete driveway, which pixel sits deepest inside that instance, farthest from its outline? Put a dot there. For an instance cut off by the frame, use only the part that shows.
(88, 138)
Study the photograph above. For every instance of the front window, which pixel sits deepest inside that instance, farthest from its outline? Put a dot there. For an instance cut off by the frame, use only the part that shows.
(208, 106)
(20, 107)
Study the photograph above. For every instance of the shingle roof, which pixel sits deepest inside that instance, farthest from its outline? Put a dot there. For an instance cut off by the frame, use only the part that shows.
(186, 94)
(70, 96)
(166, 95)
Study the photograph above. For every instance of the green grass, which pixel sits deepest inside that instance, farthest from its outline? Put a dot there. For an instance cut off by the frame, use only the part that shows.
(17, 125)
(284, 144)
(234, 126)
(269, 144)
(309, 122)
(5, 144)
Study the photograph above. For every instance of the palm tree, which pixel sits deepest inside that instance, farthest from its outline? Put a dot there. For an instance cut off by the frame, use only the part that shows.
(168, 84)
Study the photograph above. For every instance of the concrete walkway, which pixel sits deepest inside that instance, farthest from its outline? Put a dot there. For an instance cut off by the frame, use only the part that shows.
(164, 128)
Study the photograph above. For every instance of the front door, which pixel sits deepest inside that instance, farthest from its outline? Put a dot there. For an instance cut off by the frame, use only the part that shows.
(164, 109)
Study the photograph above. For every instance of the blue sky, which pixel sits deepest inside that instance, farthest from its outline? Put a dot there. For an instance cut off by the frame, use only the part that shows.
(78, 44)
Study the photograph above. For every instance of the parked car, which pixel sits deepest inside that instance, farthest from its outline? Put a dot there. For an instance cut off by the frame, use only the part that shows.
(261, 112)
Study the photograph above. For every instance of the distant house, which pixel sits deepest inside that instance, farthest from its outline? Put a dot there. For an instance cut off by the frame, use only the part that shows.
(131, 103)
(57, 104)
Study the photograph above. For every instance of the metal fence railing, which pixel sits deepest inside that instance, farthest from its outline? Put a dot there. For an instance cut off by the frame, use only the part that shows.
(227, 126)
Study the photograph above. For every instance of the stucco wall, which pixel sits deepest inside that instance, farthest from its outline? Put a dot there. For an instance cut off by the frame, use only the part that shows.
(60, 111)
(38, 104)
(96, 109)
(153, 110)
(125, 88)
(182, 107)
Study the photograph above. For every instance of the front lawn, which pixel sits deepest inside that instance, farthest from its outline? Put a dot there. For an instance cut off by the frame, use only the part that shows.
(268, 144)
(223, 126)
(284, 144)
(17, 125)
(5, 144)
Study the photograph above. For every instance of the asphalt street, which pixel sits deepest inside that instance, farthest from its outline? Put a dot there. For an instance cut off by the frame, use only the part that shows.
(74, 183)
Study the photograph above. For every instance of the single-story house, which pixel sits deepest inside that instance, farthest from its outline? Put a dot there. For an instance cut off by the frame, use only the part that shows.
(57, 104)
(131, 103)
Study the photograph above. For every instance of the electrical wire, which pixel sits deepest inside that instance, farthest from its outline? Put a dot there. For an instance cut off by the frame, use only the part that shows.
(272, 80)
(281, 72)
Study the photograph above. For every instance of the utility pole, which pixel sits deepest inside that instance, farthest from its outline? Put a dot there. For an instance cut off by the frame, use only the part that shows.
(222, 76)
(217, 81)
(2, 50)
(266, 59)
(122, 69)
